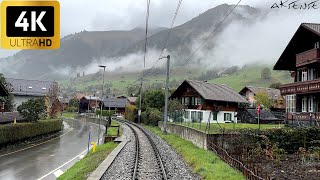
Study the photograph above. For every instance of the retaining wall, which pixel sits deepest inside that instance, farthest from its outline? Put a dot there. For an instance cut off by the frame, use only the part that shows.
(198, 138)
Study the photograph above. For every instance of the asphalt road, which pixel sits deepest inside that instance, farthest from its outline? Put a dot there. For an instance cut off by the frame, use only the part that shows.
(49, 159)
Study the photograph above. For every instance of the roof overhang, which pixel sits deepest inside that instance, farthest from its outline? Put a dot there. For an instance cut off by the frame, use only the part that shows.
(303, 40)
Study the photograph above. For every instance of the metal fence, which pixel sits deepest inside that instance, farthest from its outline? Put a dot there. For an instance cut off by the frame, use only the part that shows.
(249, 170)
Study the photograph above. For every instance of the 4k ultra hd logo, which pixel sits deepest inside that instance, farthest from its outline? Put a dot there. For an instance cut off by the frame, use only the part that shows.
(30, 24)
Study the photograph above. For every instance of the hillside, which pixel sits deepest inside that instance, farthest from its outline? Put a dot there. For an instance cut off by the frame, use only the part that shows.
(122, 83)
(251, 76)
(80, 50)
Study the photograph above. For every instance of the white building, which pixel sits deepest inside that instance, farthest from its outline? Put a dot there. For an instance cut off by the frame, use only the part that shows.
(207, 102)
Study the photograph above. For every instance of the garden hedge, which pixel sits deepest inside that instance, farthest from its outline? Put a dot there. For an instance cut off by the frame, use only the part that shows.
(105, 112)
(10, 133)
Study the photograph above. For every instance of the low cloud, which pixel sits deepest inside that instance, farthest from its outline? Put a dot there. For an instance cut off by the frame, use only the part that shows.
(260, 41)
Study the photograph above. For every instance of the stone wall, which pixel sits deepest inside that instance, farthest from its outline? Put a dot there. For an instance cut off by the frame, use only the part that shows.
(198, 138)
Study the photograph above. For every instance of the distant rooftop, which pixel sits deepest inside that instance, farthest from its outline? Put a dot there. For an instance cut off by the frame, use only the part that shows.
(272, 93)
(23, 87)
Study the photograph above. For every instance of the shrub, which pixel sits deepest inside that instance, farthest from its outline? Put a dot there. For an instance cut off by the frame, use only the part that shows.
(33, 109)
(105, 112)
(153, 116)
(144, 117)
(72, 109)
(131, 113)
(11, 133)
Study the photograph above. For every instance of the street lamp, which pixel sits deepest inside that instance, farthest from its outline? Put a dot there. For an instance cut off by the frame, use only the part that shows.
(104, 70)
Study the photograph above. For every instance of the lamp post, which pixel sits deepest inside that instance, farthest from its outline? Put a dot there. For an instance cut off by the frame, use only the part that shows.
(104, 70)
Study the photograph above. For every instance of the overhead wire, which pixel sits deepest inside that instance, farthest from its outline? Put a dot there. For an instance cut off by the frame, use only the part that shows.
(206, 39)
(166, 39)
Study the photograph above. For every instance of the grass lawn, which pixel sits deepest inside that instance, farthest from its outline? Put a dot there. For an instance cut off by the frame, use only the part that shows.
(216, 128)
(69, 114)
(113, 131)
(205, 163)
(83, 168)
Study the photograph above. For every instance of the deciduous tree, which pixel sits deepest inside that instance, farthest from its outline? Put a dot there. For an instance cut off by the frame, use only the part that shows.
(266, 73)
(262, 97)
(52, 102)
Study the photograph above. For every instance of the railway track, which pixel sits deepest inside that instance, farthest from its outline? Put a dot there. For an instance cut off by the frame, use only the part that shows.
(146, 156)
(148, 163)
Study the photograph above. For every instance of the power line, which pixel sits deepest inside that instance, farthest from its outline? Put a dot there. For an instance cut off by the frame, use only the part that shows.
(167, 37)
(144, 58)
(206, 39)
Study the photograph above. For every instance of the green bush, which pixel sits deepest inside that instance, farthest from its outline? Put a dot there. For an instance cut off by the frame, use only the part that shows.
(33, 109)
(106, 112)
(131, 112)
(154, 117)
(144, 117)
(289, 139)
(151, 116)
(72, 109)
(10, 133)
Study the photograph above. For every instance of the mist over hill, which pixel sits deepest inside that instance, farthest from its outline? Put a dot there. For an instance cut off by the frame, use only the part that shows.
(248, 35)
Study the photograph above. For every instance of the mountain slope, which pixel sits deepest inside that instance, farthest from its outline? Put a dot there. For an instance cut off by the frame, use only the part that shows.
(81, 49)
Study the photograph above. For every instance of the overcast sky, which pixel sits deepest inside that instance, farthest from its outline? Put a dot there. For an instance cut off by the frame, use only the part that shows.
(102, 15)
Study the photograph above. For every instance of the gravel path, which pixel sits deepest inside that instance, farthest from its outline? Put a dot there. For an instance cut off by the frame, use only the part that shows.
(176, 168)
(122, 167)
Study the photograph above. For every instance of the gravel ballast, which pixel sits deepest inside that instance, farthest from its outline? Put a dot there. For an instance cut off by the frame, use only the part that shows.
(123, 165)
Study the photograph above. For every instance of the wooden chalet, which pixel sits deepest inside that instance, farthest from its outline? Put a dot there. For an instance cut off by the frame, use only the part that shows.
(204, 101)
(302, 58)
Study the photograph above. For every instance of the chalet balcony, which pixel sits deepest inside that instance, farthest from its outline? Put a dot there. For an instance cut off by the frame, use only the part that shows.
(303, 87)
(303, 116)
(307, 57)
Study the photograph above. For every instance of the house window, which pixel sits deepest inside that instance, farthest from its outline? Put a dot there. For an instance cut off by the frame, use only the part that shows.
(186, 115)
(304, 75)
(227, 116)
(186, 101)
(310, 104)
(200, 116)
(304, 104)
(310, 74)
(291, 103)
(192, 101)
(193, 116)
(214, 115)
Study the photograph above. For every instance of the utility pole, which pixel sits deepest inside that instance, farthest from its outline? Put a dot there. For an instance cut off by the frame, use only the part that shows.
(140, 99)
(101, 104)
(165, 118)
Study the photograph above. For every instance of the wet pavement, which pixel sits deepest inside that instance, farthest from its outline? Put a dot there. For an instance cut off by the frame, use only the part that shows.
(49, 159)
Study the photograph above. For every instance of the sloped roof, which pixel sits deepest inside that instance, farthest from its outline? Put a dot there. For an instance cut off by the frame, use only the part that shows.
(25, 87)
(304, 38)
(216, 92)
(64, 100)
(92, 98)
(313, 27)
(132, 99)
(273, 93)
(115, 102)
(264, 114)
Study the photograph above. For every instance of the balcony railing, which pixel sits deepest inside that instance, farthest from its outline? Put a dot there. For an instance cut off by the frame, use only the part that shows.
(307, 57)
(303, 116)
(301, 87)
